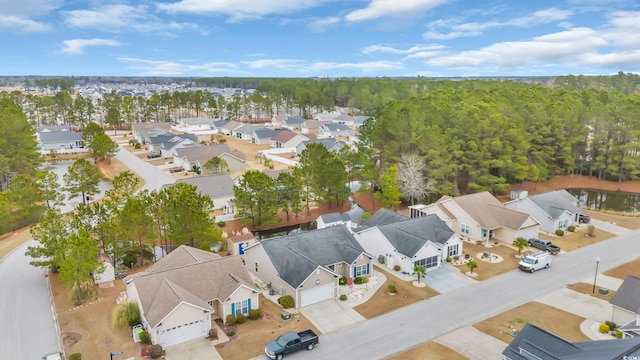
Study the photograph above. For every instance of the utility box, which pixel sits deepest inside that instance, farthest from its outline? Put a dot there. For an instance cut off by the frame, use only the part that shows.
(285, 315)
(272, 291)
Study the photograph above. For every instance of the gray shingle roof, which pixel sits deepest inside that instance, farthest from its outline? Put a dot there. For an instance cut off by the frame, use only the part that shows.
(555, 202)
(296, 256)
(331, 218)
(265, 133)
(628, 295)
(59, 136)
(410, 235)
(294, 120)
(383, 217)
(215, 186)
(545, 345)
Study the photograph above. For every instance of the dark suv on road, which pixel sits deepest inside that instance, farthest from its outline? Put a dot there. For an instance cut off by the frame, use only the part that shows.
(584, 218)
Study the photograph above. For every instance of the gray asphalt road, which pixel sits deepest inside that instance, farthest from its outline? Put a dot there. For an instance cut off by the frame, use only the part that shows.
(154, 178)
(407, 327)
(27, 328)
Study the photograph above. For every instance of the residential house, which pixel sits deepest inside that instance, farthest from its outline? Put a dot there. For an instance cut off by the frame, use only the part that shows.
(169, 140)
(287, 139)
(197, 124)
(344, 119)
(60, 141)
(218, 187)
(554, 210)
(274, 174)
(277, 120)
(326, 116)
(308, 265)
(183, 292)
(481, 217)
(198, 156)
(229, 127)
(245, 132)
(359, 120)
(395, 239)
(263, 136)
(535, 343)
(626, 306)
(333, 219)
(140, 130)
(168, 148)
(329, 144)
(312, 126)
(334, 131)
(238, 243)
(293, 122)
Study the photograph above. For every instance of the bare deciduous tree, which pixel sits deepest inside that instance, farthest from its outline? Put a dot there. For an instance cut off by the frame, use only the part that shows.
(411, 178)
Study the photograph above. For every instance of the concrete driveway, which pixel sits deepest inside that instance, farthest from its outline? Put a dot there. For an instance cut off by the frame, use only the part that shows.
(446, 278)
(193, 350)
(331, 315)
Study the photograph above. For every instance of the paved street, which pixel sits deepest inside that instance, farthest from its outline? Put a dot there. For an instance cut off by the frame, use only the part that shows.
(153, 177)
(27, 328)
(394, 332)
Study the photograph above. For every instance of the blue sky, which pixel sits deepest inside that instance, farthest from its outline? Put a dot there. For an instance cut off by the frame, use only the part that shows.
(327, 38)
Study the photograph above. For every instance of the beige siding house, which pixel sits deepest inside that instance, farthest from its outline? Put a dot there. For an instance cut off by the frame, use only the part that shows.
(481, 217)
(308, 265)
(625, 303)
(182, 293)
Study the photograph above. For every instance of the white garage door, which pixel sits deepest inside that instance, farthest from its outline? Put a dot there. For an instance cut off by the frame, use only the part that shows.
(317, 294)
(183, 333)
(528, 233)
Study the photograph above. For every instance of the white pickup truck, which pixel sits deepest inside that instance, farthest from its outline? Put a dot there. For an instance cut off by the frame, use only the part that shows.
(533, 262)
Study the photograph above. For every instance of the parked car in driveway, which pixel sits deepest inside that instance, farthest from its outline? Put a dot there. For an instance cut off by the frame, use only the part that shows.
(291, 342)
(533, 262)
(176, 169)
(545, 245)
(584, 218)
(153, 156)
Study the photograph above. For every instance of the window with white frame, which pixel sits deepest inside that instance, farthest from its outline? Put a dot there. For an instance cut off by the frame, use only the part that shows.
(562, 224)
(242, 307)
(453, 250)
(465, 229)
(361, 270)
(428, 262)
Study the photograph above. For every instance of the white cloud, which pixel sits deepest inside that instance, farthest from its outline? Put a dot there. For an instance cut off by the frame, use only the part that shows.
(14, 23)
(28, 8)
(119, 17)
(570, 47)
(290, 64)
(385, 8)
(387, 49)
(240, 10)
(76, 46)
(539, 17)
(321, 25)
(366, 67)
(173, 68)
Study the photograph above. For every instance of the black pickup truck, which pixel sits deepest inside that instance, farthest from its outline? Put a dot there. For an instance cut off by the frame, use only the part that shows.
(290, 342)
(545, 245)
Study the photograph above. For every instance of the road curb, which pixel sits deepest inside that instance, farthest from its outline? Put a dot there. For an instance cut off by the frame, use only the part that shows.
(47, 280)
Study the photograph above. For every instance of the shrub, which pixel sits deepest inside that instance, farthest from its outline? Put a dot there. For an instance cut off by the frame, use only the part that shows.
(611, 325)
(231, 333)
(392, 289)
(137, 146)
(145, 338)
(358, 280)
(231, 320)
(155, 351)
(618, 334)
(240, 319)
(213, 333)
(286, 301)
(396, 267)
(342, 281)
(255, 314)
(560, 232)
(365, 280)
(343, 297)
(448, 259)
(591, 230)
(221, 223)
(604, 328)
(571, 228)
(75, 356)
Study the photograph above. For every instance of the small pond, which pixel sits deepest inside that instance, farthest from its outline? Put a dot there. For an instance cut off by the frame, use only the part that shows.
(607, 200)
